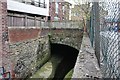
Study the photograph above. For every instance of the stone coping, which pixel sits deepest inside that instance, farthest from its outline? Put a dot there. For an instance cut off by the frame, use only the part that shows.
(86, 65)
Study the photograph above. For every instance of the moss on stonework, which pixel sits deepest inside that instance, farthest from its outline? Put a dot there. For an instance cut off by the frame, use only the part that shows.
(69, 75)
(44, 71)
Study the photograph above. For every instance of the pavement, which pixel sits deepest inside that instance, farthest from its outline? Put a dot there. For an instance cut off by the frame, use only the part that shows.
(86, 65)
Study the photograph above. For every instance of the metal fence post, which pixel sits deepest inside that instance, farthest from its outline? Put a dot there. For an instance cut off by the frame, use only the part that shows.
(97, 30)
(92, 26)
(119, 38)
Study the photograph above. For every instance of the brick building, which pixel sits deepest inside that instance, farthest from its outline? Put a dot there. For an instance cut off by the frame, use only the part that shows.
(15, 15)
(60, 10)
(27, 12)
(4, 49)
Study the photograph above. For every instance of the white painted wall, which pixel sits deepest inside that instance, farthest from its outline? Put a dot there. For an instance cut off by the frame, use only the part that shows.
(21, 7)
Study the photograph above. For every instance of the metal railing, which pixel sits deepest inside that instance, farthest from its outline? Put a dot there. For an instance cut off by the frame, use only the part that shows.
(21, 20)
(63, 24)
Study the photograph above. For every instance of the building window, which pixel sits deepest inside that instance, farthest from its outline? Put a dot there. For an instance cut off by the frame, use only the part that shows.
(56, 10)
(37, 3)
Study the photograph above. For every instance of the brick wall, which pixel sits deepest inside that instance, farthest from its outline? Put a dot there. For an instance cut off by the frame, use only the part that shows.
(0, 34)
(4, 48)
(52, 11)
(3, 30)
(60, 11)
(23, 34)
(62, 15)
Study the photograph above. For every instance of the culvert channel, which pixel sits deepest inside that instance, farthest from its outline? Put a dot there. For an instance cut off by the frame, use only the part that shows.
(61, 62)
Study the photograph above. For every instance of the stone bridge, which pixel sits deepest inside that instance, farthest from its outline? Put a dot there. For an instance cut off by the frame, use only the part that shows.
(28, 56)
(70, 37)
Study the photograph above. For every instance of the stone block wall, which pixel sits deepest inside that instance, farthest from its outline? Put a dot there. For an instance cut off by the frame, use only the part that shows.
(70, 37)
(28, 56)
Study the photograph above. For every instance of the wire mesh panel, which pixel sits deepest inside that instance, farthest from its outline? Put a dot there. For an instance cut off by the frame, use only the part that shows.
(110, 54)
(109, 38)
(109, 12)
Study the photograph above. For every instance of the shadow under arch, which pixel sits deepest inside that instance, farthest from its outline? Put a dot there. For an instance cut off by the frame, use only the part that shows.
(66, 58)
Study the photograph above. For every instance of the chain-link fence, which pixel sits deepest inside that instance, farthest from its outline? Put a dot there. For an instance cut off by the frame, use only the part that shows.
(106, 27)
(109, 38)
(110, 54)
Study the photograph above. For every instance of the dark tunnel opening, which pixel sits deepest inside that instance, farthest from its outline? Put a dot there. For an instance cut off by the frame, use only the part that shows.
(68, 55)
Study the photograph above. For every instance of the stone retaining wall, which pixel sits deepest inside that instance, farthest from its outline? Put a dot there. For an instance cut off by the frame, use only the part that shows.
(29, 56)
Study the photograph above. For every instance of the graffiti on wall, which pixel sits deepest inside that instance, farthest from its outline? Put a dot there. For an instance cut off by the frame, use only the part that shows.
(3, 74)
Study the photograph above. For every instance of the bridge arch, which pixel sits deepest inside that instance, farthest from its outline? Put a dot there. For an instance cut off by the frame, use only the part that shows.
(70, 37)
(66, 58)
